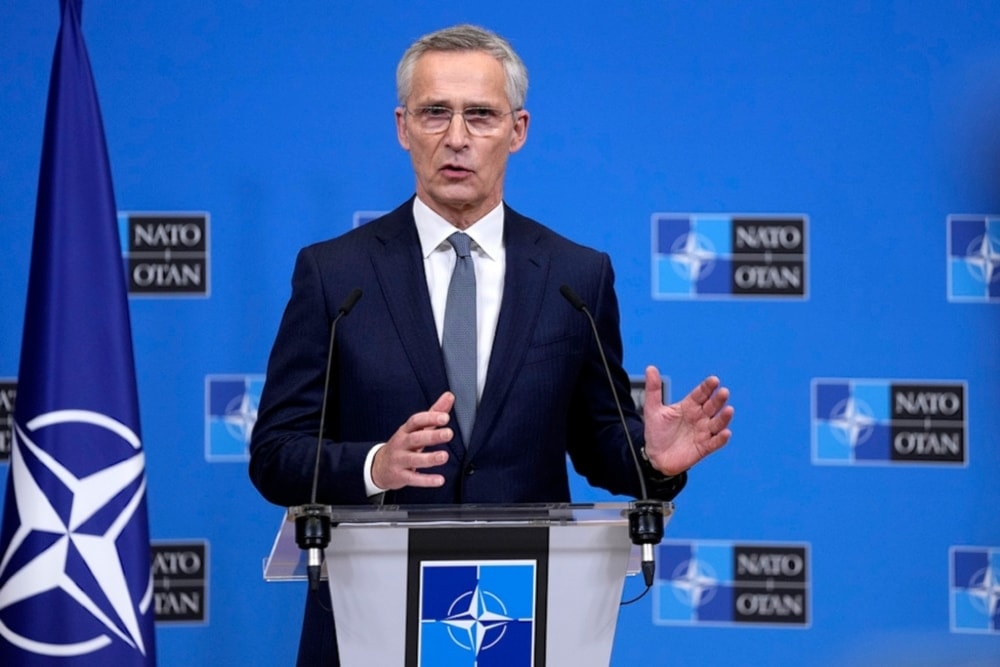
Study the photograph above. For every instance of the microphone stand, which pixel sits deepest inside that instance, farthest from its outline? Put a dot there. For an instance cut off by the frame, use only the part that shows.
(312, 525)
(645, 516)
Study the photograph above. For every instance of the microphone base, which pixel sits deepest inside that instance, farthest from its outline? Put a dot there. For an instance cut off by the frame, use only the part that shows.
(312, 535)
(645, 529)
(645, 521)
(312, 526)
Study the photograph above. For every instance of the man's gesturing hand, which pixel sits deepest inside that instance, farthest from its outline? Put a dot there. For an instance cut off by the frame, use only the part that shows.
(683, 433)
(399, 462)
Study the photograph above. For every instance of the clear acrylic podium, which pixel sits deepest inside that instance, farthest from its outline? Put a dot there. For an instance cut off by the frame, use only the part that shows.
(488, 585)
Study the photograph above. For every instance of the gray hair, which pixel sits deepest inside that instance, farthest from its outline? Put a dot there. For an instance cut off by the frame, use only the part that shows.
(466, 38)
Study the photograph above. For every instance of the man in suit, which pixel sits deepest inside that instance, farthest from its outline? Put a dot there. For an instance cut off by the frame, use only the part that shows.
(534, 388)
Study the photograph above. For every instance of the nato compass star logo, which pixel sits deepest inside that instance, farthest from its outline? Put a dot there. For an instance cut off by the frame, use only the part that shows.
(477, 620)
(983, 259)
(852, 421)
(477, 614)
(984, 588)
(693, 584)
(65, 550)
(973, 258)
(692, 256)
(975, 589)
(231, 413)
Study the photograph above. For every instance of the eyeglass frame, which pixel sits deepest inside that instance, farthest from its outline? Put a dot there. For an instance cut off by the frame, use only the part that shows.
(453, 112)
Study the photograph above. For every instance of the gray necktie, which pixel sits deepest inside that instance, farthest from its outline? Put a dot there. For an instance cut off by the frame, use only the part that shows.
(458, 342)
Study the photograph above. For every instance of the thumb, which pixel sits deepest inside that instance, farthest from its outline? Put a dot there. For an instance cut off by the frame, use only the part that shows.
(654, 388)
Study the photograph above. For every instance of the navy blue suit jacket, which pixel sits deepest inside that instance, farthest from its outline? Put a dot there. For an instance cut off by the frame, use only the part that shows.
(546, 391)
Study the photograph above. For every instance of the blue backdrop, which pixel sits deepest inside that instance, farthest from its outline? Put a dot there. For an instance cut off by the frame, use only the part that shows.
(876, 122)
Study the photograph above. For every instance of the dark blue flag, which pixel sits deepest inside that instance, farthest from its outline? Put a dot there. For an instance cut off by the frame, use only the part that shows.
(75, 576)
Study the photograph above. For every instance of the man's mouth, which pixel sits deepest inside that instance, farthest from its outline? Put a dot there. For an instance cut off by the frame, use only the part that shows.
(455, 170)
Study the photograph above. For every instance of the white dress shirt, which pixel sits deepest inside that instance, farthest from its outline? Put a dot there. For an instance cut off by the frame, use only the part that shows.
(489, 259)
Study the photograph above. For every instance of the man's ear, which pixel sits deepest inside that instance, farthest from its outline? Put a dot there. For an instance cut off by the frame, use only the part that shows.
(401, 134)
(520, 135)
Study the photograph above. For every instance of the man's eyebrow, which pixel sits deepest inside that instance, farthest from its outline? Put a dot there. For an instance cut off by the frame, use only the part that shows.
(480, 104)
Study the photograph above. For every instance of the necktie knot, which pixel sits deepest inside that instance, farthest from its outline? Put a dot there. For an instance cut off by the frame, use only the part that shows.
(462, 243)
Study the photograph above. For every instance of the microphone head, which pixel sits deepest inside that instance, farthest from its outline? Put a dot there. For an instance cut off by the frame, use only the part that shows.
(572, 297)
(349, 302)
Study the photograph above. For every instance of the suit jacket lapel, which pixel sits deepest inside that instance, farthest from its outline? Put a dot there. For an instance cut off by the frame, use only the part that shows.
(399, 267)
(524, 284)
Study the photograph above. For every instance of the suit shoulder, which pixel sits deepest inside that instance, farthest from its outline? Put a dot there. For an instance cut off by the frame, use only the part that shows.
(553, 240)
(358, 238)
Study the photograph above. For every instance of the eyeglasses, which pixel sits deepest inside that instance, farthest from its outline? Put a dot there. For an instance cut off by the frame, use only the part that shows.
(479, 121)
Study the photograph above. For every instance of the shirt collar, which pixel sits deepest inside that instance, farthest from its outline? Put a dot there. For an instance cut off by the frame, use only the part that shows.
(433, 230)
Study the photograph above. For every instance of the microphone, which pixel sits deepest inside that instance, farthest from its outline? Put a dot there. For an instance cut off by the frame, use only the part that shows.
(312, 525)
(645, 517)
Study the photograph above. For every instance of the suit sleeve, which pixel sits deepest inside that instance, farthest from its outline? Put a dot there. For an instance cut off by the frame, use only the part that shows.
(284, 441)
(597, 446)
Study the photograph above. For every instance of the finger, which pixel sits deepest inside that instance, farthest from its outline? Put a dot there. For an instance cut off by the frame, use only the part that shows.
(717, 401)
(424, 420)
(413, 478)
(725, 416)
(654, 388)
(415, 442)
(719, 432)
(395, 468)
(444, 403)
(417, 460)
(438, 415)
(409, 465)
(704, 390)
(721, 421)
(719, 440)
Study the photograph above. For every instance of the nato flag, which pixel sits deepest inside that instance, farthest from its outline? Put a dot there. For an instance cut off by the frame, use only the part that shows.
(75, 578)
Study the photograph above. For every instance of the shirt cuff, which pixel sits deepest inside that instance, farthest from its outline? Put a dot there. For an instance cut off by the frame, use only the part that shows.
(370, 488)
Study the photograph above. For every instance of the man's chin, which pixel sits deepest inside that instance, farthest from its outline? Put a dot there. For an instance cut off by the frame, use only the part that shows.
(457, 196)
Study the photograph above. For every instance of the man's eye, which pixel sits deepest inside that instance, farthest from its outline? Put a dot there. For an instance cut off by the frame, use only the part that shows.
(480, 113)
(435, 112)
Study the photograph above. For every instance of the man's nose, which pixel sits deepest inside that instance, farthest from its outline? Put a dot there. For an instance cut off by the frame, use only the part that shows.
(457, 134)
